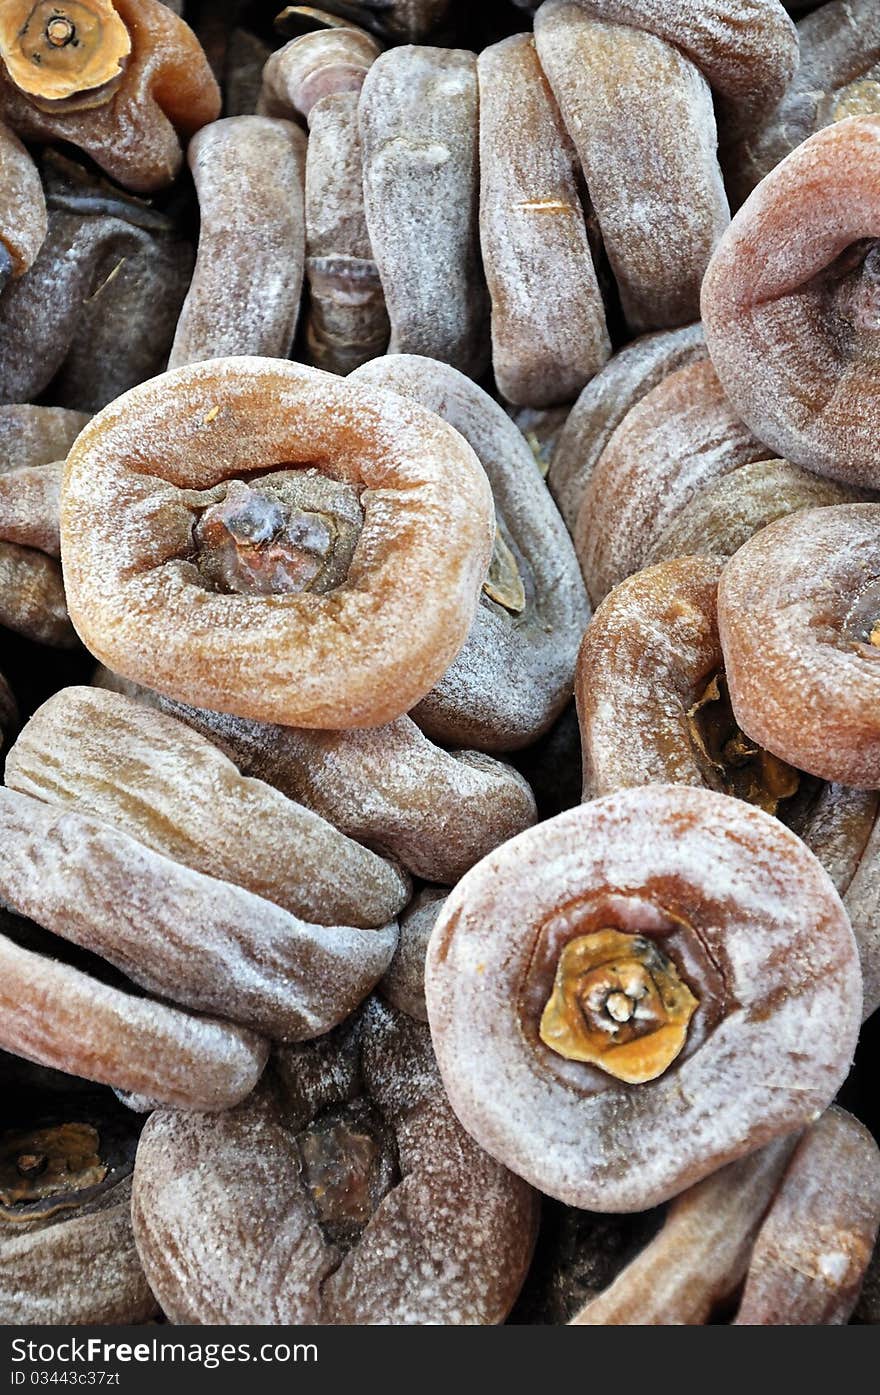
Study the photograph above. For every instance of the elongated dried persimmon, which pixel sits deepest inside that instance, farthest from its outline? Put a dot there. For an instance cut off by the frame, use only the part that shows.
(154, 85)
(404, 982)
(679, 438)
(813, 1248)
(319, 77)
(513, 675)
(331, 590)
(62, 1015)
(799, 616)
(367, 1202)
(746, 49)
(147, 775)
(605, 401)
(437, 812)
(700, 1257)
(246, 287)
(722, 516)
(641, 118)
(419, 128)
(790, 304)
(699, 890)
(838, 76)
(548, 320)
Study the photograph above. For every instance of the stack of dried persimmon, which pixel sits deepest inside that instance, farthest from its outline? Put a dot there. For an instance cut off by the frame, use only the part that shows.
(440, 590)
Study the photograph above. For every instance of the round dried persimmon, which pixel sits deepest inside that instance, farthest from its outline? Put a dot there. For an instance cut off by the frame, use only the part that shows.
(256, 537)
(790, 304)
(799, 619)
(704, 971)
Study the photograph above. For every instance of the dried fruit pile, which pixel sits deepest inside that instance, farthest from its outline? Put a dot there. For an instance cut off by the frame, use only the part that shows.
(440, 605)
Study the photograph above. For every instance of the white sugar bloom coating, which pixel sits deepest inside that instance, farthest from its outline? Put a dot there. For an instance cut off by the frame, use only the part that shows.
(60, 1017)
(36, 435)
(746, 49)
(145, 774)
(32, 600)
(347, 321)
(837, 76)
(246, 288)
(548, 319)
(357, 656)
(792, 336)
(323, 63)
(181, 934)
(604, 403)
(724, 514)
(449, 1243)
(651, 646)
(23, 220)
(81, 1271)
(814, 1245)
(761, 907)
(404, 982)
(641, 118)
(800, 685)
(30, 501)
(701, 1254)
(437, 812)
(418, 118)
(681, 437)
(514, 673)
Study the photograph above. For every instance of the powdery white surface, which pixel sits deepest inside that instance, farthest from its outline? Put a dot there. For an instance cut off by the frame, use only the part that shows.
(32, 598)
(651, 648)
(514, 673)
(167, 87)
(179, 933)
(722, 516)
(347, 319)
(32, 436)
(798, 685)
(148, 775)
(641, 118)
(746, 49)
(813, 1248)
(23, 222)
(681, 437)
(794, 348)
(604, 403)
(548, 318)
(60, 1017)
(404, 982)
(356, 656)
(29, 505)
(317, 65)
(438, 812)
(839, 52)
(450, 1243)
(246, 288)
(81, 1271)
(766, 914)
(418, 119)
(701, 1255)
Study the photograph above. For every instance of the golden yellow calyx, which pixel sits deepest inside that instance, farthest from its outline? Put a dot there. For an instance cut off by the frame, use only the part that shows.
(860, 98)
(743, 768)
(503, 582)
(49, 1162)
(53, 51)
(874, 637)
(617, 1003)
